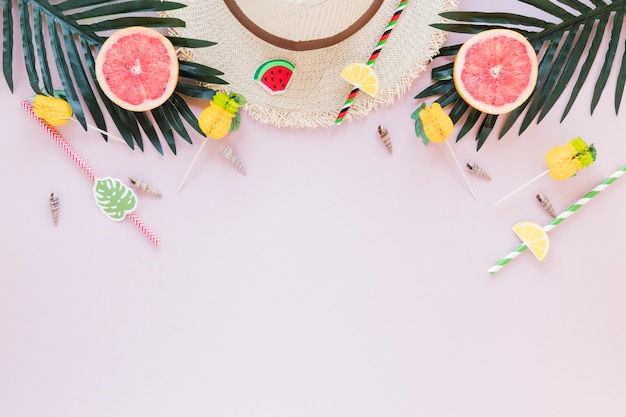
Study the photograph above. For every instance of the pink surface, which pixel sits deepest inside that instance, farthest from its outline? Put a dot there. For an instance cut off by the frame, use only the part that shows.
(334, 279)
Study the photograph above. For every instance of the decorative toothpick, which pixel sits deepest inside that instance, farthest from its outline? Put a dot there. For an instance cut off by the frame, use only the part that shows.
(193, 162)
(57, 112)
(521, 187)
(563, 162)
(437, 126)
(104, 132)
(216, 120)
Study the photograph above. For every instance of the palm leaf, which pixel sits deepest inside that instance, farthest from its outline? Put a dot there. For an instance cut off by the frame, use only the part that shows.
(571, 27)
(65, 37)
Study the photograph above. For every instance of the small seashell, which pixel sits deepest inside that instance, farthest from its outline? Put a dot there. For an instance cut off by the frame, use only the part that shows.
(54, 208)
(384, 134)
(230, 155)
(141, 185)
(477, 170)
(545, 203)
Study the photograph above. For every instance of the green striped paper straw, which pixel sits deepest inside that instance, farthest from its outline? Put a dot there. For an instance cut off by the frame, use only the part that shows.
(558, 219)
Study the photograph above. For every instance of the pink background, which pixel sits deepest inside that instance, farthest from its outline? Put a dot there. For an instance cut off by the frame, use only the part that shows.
(334, 279)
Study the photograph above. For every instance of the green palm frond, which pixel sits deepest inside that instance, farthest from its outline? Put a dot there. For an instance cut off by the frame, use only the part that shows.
(567, 44)
(66, 36)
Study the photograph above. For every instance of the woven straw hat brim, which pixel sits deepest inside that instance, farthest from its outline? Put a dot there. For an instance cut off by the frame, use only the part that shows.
(316, 92)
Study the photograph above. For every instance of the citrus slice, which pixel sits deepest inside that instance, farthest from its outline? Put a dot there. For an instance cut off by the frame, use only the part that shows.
(534, 237)
(137, 68)
(495, 71)
(362, 77)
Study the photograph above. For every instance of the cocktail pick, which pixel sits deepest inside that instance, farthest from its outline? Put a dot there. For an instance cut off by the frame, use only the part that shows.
(216, 120)
(193, 162)
(437, 126)
(561, 217)
(57, 112)
(563, 162)
(102, 182)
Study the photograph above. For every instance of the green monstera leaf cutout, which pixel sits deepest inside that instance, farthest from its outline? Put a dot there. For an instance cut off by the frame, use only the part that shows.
(114, 198)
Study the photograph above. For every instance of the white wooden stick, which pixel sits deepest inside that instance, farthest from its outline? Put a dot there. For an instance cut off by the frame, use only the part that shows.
(462, 171)
(104, 132)
(193, 162)
(521, 187)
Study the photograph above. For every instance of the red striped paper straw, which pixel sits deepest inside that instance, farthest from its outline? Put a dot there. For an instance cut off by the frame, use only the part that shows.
(379, 46)
(85, 167)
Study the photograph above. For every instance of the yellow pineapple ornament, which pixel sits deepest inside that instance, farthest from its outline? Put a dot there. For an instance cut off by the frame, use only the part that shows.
(563, 162)
(216, 120)
(436, 126)
(436, 123)
(55, 111)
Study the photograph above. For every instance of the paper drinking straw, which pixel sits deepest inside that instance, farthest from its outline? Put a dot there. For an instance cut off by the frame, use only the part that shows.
(564, 215)
(379, 46)
(85, 167)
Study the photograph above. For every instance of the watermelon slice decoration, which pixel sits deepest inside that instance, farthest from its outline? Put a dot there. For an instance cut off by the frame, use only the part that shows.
(274, 75)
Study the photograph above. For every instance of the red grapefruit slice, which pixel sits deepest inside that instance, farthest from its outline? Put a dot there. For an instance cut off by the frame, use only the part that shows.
(137, 68)
(495, 71)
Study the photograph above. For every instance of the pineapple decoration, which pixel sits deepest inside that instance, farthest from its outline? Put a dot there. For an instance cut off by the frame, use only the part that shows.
(434, 125)
(53, 110)
(56, 111)
(563, 162)
(216, 120)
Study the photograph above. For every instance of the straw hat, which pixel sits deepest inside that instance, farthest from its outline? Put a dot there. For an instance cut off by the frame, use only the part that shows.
(319, 37)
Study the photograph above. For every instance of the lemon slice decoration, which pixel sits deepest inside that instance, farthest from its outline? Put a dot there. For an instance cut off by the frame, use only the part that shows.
(362, 77)
(534, 237)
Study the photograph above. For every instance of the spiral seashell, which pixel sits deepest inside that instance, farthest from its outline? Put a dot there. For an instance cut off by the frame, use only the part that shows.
(54, 208)
(232, 157)
(472, 167)
(384, 134)
(545, 203)
(141, 185)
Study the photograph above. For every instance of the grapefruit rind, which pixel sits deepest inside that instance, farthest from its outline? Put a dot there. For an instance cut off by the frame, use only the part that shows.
(362, 76)
(534, 237)
(117, 69)
(507, 64)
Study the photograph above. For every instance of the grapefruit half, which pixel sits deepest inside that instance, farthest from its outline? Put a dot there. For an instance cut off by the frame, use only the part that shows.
(137, 68)
(495, 71)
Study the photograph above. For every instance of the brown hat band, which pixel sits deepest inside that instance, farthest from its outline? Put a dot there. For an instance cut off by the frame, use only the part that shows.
(302, 45)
